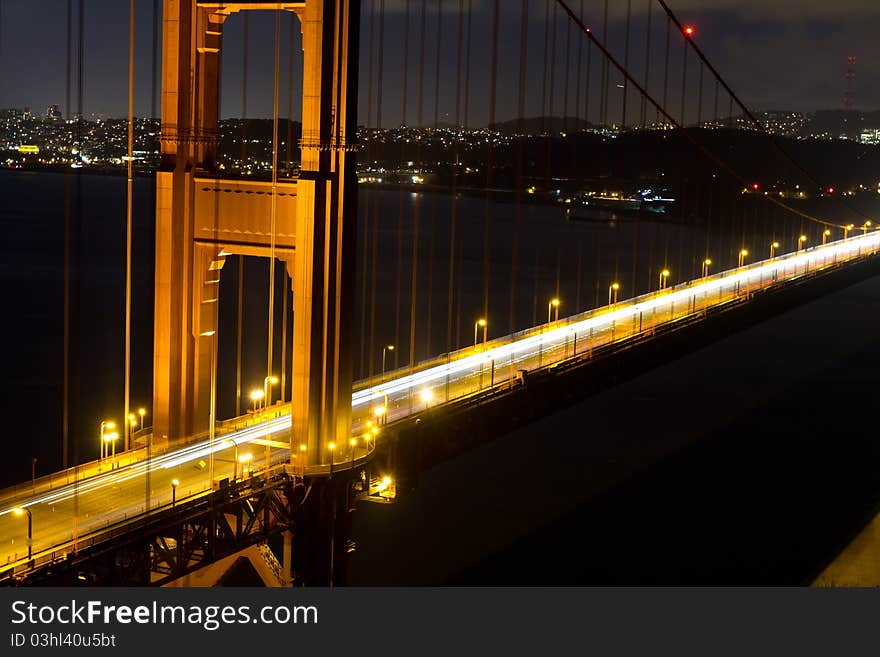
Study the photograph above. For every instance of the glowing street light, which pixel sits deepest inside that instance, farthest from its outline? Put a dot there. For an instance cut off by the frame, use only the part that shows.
(612, 292)
(742, 256)
(331, 447)
(554, 303)
(268, 382)
(802, 242)
(256, 396)
(142, 412)
(825, 235)
(174, 484)
(106, 424)
(773, 247)
(111, 438)
(866, 226)
(426, 396)
(480, 322)
(386, 348)
(846, 230)
(706, 264)
(380, 412)
(20, 511)
(664, 278)
(245, 460)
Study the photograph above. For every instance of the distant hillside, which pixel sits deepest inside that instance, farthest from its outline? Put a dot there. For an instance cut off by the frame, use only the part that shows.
(542, 124)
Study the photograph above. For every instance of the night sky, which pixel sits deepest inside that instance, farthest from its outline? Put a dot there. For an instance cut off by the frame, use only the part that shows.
(777, 54)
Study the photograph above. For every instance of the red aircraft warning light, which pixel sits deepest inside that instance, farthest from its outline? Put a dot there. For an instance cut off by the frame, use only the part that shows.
(689, 30)
(755, 186)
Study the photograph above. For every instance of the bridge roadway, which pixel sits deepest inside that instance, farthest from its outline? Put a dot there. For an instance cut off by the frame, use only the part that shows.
(99, 497)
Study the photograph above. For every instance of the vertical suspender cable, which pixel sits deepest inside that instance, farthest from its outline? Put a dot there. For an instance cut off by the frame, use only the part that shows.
(371, 193)
(642, 115)
(518, 184)
(413, 296)
(399, 279)
(240, 298)
(380, 56)
(274, 208)
(65, 392)
(490, 164)
(626, 62)
(128, 208)
(429, 316)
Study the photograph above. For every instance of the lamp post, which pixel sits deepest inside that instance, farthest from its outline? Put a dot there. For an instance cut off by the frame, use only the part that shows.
(664, 278)
(174, 484)
(132, 425)
(352, 442)
(142, 412)
(706, 263)
(865, 227)
(480, 322)
(742, 256)
(20, 511)
(846, 230)
(245, 460)
(386, 348)
(554, 303)
(825, 235)
(33, 475)
(331, 447)
(426, 396)
(268, 382)
(106, 424)
(256, 396)
(773, 247)
(380, 413)
(111, 438)
(802, 242)
(612, 293)
(234, 458)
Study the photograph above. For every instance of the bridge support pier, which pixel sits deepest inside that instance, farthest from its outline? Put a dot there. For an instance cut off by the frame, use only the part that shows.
(320, 552)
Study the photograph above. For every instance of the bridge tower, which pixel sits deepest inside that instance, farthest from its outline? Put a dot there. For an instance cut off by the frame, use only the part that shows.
(308, 223)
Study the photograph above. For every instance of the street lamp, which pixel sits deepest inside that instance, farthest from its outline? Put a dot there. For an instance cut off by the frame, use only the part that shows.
(773, 247)
(480, 322)
(174, 484)
(825, 235)
(426, 396)
(742, 256)
(256, 396)
(846, 230)
(20, 511)
(245, 459)
(142, 412)
(352, 442)
(554, 303)
(385, 349)
(268, 382)
(331, 447)
(802, 241)
(379, 412)
(865, 227)
(106, 424)
(612, 292)
(706, 263)
(664, 278)
(111, 438)
(234, 457)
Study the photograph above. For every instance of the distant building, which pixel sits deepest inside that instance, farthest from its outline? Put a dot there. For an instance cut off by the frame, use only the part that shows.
(53, 112)
(870, 136)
